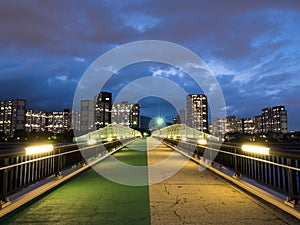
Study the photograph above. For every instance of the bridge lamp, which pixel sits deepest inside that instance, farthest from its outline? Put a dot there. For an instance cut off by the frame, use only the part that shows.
(38, 149)
(256, 149)
(109, 138)
(91, 142)
(202, 142)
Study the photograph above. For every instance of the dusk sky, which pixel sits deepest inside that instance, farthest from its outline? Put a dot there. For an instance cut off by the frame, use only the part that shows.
(252, 47)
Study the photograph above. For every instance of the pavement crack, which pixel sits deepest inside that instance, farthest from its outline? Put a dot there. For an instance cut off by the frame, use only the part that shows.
(179, 217)
(166, 190)
(177, 201)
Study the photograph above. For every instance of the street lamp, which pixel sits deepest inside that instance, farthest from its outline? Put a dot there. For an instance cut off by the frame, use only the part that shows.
(159, 121)
(202, 142)
(38, 149)
(256, 149)
(91, 142)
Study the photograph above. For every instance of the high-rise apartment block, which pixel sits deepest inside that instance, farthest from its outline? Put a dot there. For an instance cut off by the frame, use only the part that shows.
(182, 116)
(233, 124)
(257, 124)
(12, 116)
(197, 116)
(75, 122)
(101, 112)
(229, 124)
(134, 116)
(218, 126)
(120, 113)
(87, 116)
(55, 122)
(274, 119)
(35, 120)
(126, 114)
(103, 106)
(58, 122)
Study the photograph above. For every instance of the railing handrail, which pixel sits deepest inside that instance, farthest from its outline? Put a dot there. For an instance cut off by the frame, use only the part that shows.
(274, 151)
(249, 157)
(53, 155)
(6, 153)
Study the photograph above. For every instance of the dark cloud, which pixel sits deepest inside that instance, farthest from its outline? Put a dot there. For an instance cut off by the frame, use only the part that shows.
(253, 47)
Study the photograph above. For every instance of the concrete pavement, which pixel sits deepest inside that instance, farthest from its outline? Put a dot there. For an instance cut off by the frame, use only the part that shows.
(194, 197)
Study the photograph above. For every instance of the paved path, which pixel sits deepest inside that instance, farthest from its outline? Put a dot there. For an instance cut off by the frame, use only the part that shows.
(189, 197)
(194, 197)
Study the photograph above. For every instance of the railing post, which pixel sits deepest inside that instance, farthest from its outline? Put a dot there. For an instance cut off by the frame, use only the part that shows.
(237, 173)
(291, 200)
(4, 201)
(57, 174)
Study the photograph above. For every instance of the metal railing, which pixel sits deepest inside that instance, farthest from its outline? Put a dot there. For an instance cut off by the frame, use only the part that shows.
(280, 170)
(18, 170)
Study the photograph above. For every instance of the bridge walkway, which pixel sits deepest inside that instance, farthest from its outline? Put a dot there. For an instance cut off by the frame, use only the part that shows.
(188, 197)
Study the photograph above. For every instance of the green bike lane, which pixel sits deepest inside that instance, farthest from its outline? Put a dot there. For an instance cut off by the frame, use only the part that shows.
(89, 198)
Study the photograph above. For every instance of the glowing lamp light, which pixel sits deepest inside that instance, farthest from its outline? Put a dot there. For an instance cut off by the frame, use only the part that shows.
(202, 142)
(256, 149)
(109, 139)
(160, 121)
(38, 149)
(91, 142)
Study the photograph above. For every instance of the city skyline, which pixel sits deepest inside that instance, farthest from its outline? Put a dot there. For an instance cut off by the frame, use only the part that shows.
(252, 48)
(93, 113)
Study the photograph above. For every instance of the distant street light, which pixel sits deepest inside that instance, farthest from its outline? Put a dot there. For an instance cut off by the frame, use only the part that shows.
(159, 121)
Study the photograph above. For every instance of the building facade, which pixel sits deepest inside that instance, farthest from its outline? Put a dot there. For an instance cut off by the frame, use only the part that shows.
(274, 119)
(182, 116)
(134, 117)
(233, 125)
(218, 126)
(248, 125)
(75, 122)
(120, 113)
(59, 121)
(12, 116)
(103, 107)
(35, 120)
(55, 122)
(87, 116)
(126, 114)
(197, 116)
